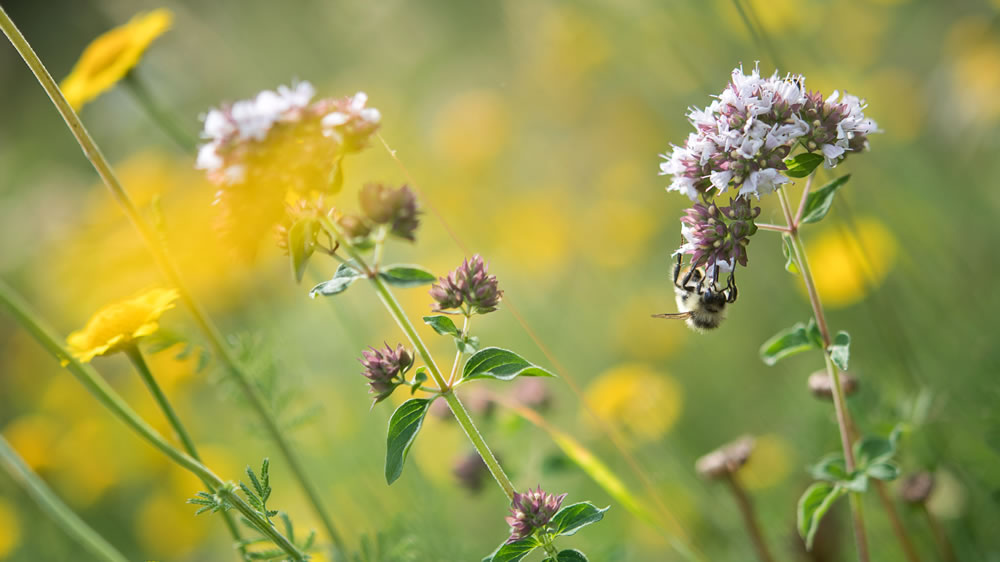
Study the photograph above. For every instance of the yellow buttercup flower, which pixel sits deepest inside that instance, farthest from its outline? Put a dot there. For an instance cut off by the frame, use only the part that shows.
(112, 55)
(121, 323)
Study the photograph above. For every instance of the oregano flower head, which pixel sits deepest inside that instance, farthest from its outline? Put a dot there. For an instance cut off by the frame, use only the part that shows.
(384, 369)
(530, 511)
(469, 287)
(395, 207)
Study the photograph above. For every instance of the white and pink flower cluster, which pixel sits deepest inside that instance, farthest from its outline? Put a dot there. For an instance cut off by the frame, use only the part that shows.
(742, 138)
(232, 129)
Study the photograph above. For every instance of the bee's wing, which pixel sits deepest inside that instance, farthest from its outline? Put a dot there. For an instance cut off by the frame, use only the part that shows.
(674, 315)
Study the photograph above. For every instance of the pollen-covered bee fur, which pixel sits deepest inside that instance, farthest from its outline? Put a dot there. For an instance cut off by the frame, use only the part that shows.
(701, 302)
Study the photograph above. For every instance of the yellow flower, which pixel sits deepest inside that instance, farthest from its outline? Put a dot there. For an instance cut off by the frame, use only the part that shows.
(112, 55)
(121, 323)
(644, 402)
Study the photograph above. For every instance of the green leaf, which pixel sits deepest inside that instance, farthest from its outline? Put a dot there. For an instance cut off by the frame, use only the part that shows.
(442, 325)
(798, 338)
(887, 471)
(403, 427)
(406, 275)
(500, 364)
(301, 244)
(419, 378)
(840, 350)
(818, 202)
(342, 279)
(572, 518)
(789, 252)
(512, 552)
(813, 505)
(572, 555)
(468, 344)
(801, 165)
(858, 482)
(872, 449)
(831, 468)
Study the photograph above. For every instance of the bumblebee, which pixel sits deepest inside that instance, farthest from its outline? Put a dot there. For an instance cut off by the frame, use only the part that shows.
(701, 302)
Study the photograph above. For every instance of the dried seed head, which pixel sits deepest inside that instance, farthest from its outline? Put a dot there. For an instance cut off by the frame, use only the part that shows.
(821, 385)
(917, 487)
(384, 369)
(531, 511)
(725, 460)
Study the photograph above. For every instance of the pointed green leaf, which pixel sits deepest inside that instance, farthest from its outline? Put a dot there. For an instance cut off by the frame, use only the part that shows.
(789, 252)
(500, 364)
(801, 165)
(787, 342)
(406, 275)
(342, 279)
(813, 505)
(818, 202)
(403, 427)
(872, 449)
(840, 350)
(512, 552)
(442, 325)
(572, 518)
(301, 244)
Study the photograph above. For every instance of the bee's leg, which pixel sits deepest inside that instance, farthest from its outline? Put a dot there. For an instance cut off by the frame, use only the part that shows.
(677, 270)
(731, 292)
(687, 277)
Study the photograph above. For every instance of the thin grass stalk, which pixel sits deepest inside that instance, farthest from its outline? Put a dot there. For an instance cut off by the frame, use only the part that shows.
(155, 247)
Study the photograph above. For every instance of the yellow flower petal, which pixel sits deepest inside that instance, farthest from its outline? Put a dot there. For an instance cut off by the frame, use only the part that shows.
(120, 323)
(112, 55)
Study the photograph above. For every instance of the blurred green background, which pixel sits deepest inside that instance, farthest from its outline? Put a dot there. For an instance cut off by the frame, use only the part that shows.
(533, 128)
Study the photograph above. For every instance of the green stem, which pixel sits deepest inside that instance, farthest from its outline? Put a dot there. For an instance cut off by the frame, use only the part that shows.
(50, 503)
(397, 313)
(164, 119)
(839, 402)
(458, 354)
(135, 356)
(550, 549)
(110, 399)
(167, 267)
(749, 518)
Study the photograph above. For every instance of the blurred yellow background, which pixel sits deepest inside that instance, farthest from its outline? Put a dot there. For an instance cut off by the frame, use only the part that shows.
(533, 129)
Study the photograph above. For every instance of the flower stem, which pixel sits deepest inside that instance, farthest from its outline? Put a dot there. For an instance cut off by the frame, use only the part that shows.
(397, 313)
(749, 518)
(135, 356)
(50, 503)
(897, 526)
(114, 402)
(550, 549)
(458, 354)
(167, 267)
(843, 417)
